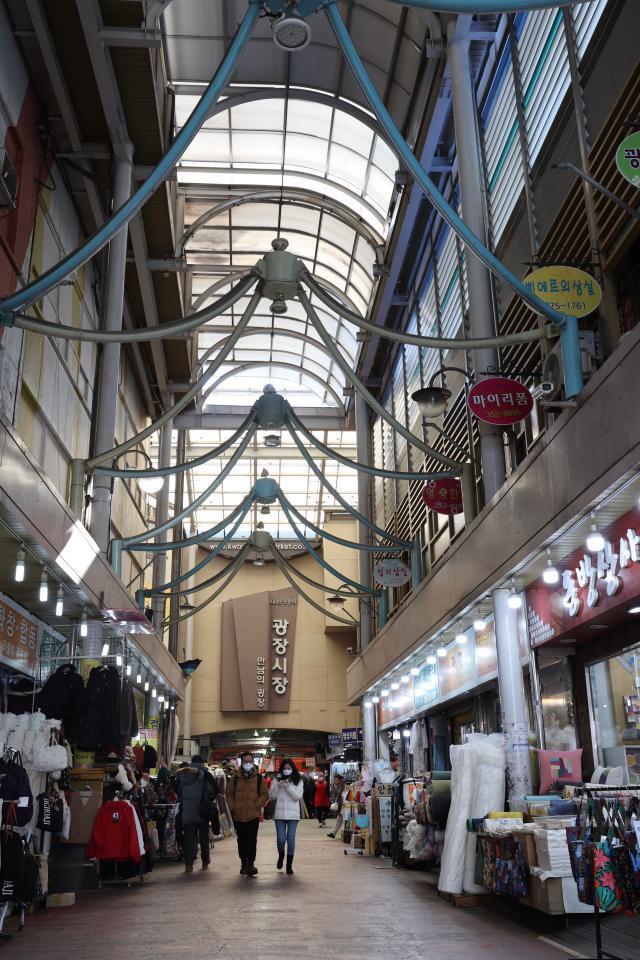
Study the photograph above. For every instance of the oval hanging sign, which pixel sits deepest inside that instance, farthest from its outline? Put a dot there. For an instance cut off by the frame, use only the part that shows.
(628, 159)
(500, 400)
(391, 573)
(567, 289)
(443, 496)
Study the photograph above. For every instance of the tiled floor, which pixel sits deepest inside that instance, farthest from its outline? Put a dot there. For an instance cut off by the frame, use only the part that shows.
(347, 908)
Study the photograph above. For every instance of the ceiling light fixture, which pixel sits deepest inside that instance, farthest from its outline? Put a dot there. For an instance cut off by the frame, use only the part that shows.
(432, 401)
(515, 600)
(128, 670)
(259, 561)
(595, 540)
(633, 610)
(441, 652)
(461, 638)
(84, 626)
(404, 678)
(431, 660)
(479, 624)
(18, 575)
(291, 33)
(336, 602)
(60, 602)
(44, 587)
(367, 704)
(138, 678)
(375, 699)
(395, 686)
(384, 693)
(414, 671)
(272, 440)
(118, 660)
(105, 649)
(151, 484)
(550, 574)
(146, 686)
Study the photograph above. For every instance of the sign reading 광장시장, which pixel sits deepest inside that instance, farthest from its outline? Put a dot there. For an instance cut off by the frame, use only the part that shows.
(567, 289)
(628, 158)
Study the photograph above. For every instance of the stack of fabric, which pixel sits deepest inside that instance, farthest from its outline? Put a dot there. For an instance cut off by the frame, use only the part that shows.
(553, 851)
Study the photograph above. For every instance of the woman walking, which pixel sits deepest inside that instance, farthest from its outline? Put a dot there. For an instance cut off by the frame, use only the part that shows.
(287, 791)
(322, 800)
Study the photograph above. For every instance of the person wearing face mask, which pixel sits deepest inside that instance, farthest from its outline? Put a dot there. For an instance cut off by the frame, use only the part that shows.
(286, 791)
(246, 795)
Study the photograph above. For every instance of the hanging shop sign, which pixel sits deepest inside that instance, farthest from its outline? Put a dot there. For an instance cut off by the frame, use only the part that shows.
(351, 738)
(391, 573)
(443, 496)
(398, 706)
(425, 687)
(256, 657)
(500, 400)
(628, 158)
(567, 289)
(457, 671)
(592, 586)
(20, 636)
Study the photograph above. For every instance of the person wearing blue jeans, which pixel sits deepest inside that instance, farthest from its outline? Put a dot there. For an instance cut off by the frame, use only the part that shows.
(286, 791)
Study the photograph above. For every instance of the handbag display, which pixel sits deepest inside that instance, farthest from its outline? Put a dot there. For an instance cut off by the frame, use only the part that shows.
(578, 838)
(50, 758)
(50, 812)
(15, 792)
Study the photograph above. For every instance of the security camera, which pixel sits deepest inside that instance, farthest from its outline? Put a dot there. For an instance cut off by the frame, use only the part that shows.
(547, 386)
(349, 651)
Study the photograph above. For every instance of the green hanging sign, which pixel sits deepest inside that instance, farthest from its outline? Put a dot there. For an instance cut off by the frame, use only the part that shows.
(628, 159)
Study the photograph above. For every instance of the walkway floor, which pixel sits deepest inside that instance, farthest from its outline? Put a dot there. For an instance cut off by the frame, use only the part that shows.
(334, 908)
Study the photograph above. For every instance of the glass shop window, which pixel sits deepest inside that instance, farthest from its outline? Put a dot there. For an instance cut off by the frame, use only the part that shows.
(614, 686)
(556, 685)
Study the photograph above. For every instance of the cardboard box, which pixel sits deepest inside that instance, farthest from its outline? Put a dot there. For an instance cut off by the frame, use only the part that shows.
(546, 897)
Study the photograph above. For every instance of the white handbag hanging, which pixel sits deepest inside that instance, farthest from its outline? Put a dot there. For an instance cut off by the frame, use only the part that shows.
(51, 757)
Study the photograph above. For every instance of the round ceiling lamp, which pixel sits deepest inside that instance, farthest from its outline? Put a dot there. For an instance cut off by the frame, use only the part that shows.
(432, 401)
(272, 440)
(291, 33)
(336, 602)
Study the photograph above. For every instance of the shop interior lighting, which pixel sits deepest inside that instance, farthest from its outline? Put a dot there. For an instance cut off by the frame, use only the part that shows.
(595, 540)
(18, 575)
(441, 652)
(375, 699)
(367, 704)
(633, 610)
(84, 626)
(128, 670)
(550, 574)
(161, 698)
(395, 686)
(384, 693)
(139, 678)
(479, 624)
(406, 733)
(154, 693)
(118, 660)
(44, 587)
(461, 638)
(146, 686)
(60, 602)
(105, 649)
(414, 671)
(404, 678)
(431, 660)
(515, 600)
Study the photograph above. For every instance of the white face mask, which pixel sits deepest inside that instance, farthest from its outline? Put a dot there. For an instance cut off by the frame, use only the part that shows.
(248, 767)
(287, 771)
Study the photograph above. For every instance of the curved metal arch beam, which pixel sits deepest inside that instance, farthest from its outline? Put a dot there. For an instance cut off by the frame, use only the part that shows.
(314, 96)
(210, 582)
(363, 588)
(60, 331)
(205, 603)
(186, 398)
(567, 324)
(367, 396)
(300, 591)
(426, 343)
(69, 264)
(262, 331)
(369, 548)
(170, 584)
(486, 6)
(274, 363)
(294, 422)
(347, 594)
(209, 292)
(180, 467)
(128, 542)
(292, 197)
(340, 499)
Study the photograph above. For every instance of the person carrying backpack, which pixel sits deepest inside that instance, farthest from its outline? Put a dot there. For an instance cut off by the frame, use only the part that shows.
(246, 795)
(195, 790)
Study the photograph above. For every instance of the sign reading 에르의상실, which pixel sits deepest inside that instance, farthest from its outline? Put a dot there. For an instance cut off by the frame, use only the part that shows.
(566, 289)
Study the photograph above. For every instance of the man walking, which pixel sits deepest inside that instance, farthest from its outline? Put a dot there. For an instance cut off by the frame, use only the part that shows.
(246, 795)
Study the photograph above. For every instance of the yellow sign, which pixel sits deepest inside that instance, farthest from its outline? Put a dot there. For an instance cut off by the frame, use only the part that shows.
(566, 289)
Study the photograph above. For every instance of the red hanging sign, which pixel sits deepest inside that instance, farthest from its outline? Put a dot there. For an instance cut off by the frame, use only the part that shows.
(443, 496)
(500, 400)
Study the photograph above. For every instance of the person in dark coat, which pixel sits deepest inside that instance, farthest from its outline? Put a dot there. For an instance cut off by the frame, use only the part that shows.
(194, 784)
(309, 794)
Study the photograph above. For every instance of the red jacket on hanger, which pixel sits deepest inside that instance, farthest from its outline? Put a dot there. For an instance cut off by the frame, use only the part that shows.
(114, 835)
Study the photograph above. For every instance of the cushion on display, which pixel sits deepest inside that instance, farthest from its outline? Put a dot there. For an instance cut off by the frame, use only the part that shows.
(559, 766)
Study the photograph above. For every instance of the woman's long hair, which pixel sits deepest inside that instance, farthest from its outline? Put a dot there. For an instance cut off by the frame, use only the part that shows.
(295, 776)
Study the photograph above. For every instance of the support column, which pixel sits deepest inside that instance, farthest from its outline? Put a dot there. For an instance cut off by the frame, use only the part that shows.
(369, 733)
(481, 312)
(364, 502)
(109, 376)
(188, 650)
(176, 555)
(512, 697)
(162, 515)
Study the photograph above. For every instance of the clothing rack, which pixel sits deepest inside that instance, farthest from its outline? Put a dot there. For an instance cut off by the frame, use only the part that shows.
(607, 793)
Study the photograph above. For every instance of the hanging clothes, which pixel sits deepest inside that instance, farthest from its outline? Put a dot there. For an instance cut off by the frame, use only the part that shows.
(116, 833)
(64, 698)
(110, 719)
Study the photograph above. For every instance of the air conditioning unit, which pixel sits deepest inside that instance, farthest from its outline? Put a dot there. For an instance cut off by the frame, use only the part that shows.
(552, 383)
(8, 181)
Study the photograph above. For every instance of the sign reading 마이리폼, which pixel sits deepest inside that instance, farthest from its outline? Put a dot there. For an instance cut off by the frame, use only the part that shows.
(628, 158)
(500, 400)
(567, 289)
(443, 496)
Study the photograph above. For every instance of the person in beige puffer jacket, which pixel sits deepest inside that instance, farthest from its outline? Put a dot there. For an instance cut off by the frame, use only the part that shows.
(246, 795)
